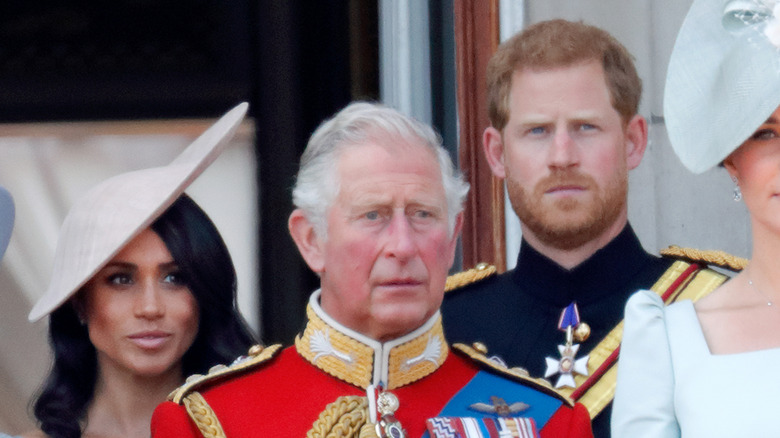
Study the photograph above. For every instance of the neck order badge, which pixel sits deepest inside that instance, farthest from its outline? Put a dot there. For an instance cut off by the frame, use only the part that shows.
(568, 364)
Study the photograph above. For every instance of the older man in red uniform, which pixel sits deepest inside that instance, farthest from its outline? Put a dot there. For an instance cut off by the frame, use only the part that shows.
(378, 214)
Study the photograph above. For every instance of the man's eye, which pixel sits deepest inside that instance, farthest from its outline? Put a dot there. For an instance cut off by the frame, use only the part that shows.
(372, 215)
(538, 130)
(587, 127)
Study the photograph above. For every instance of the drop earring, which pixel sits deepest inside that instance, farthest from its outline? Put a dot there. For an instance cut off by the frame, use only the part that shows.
(737, 190)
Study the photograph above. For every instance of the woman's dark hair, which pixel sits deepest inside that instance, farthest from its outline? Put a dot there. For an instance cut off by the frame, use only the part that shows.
(207, 269)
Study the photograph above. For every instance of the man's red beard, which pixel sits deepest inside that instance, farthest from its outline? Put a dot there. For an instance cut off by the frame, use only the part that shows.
(569, 222)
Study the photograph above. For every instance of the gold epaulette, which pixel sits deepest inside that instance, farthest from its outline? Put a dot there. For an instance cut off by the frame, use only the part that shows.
(478, 354)
(257, 355)
(460, 279)
(710, 257)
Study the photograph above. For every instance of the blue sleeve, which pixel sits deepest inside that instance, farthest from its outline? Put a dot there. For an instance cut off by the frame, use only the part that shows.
(644, 397)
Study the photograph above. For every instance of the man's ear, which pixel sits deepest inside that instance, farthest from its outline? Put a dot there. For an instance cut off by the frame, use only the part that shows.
(636, 141)
(493, 145)
(309, 244)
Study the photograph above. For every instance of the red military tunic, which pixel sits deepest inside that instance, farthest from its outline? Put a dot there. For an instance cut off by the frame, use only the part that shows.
(285, 395)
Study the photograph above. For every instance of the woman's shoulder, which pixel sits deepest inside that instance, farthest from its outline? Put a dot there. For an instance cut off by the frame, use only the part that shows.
(644, 314)
(644, 301)
(647, 301)
(645, 310)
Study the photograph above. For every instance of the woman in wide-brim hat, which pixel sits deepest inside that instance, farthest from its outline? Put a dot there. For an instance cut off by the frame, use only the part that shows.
(709, 369)
(143, 293)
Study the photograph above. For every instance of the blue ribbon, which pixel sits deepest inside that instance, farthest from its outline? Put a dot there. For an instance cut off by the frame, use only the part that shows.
(570, 317)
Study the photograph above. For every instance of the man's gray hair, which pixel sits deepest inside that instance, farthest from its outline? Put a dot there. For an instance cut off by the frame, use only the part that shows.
(317, 184)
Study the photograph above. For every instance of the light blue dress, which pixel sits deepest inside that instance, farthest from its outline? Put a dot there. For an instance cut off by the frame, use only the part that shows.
(2, 435)
(670, 385)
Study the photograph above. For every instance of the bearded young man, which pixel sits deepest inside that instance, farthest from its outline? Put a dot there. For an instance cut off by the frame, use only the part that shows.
(563, 103)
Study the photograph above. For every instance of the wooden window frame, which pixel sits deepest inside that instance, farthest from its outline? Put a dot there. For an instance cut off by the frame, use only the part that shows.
(476, 39)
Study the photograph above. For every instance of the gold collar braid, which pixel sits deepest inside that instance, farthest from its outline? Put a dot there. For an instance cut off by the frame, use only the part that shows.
(361, 361)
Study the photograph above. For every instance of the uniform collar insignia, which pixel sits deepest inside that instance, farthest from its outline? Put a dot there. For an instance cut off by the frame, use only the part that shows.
(362, 361)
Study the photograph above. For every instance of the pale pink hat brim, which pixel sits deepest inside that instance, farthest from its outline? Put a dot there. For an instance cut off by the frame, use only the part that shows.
(110, 215)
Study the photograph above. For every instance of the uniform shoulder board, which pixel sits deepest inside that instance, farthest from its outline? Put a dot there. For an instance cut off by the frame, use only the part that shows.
(478, 354)
(717, 258)
(257, 355)
(473, 275)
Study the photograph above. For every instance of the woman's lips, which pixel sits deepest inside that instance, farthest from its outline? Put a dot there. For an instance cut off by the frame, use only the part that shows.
(150, 340)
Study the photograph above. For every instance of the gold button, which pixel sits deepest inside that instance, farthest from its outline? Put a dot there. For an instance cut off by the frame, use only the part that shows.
(582, 332)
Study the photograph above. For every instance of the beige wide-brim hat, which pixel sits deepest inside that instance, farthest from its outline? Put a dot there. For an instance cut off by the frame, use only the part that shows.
(6, 219)
(723, 80)
(110, 215)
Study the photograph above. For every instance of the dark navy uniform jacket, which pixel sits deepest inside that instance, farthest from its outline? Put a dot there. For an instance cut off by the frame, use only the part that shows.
(516, 314)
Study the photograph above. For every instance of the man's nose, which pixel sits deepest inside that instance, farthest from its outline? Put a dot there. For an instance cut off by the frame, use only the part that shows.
(563, 149)
(400, 237)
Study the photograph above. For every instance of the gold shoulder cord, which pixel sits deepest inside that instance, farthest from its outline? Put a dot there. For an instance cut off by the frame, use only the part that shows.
(203, 416)
(347, 417)
(460, 279)
(717, 258)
